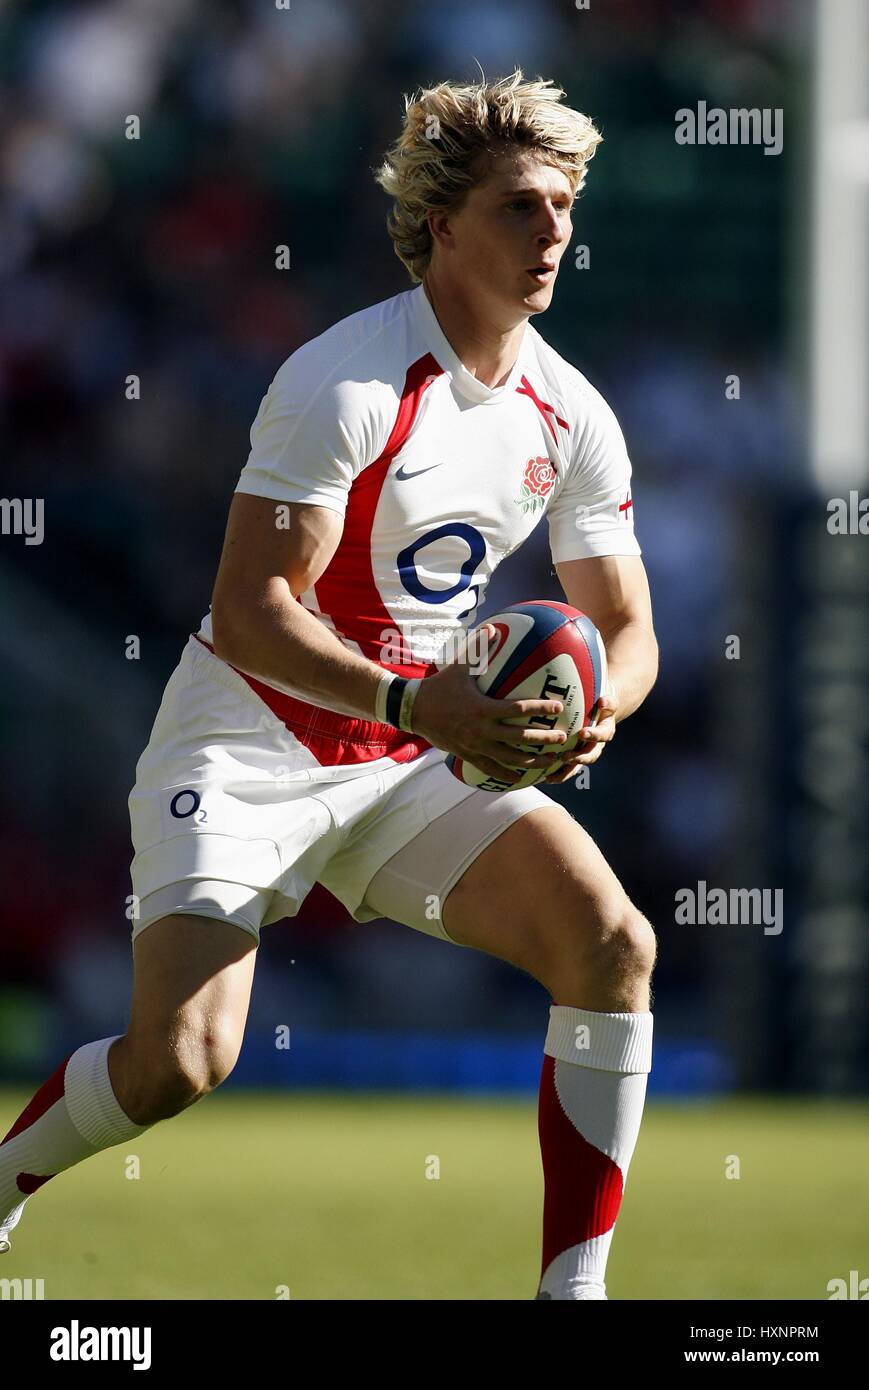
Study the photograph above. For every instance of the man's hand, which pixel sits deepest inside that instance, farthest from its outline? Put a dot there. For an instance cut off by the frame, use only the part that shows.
(451, 712)
(595, 737)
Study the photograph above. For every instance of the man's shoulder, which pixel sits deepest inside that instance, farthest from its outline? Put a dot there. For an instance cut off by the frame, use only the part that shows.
(581, 400)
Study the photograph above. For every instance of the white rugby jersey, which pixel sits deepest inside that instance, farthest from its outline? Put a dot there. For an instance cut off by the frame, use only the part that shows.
(438, 478)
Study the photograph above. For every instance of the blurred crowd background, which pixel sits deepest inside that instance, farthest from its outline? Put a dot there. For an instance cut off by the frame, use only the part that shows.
(155, 256)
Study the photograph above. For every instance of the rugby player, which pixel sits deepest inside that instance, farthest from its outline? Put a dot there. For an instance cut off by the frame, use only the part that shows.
(396, 460)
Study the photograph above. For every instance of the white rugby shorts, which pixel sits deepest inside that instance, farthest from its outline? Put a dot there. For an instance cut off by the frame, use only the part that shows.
(233, 817)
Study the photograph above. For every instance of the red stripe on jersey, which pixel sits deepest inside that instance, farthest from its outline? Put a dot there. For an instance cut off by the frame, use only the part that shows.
(48, 1094)
(347, 590)
(334, 739)
(347, 593)
(526, 389)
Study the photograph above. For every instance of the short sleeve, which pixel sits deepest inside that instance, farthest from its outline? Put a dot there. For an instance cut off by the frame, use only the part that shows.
(592, 513)
(311, 438)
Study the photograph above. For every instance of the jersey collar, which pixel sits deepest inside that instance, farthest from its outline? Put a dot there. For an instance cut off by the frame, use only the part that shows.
(465, 381)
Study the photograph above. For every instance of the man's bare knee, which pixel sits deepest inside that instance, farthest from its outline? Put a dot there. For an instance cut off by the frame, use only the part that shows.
(158, 1079)
(626, 943)
(607, 956)
(191, 990)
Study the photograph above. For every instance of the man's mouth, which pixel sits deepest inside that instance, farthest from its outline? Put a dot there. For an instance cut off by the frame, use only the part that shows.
(542, 273)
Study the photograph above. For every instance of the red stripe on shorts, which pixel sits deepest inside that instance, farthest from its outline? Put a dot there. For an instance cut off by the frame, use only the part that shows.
(334, 739)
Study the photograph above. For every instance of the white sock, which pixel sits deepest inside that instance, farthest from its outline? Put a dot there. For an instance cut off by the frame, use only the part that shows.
(591, 1106)
(73, 1115)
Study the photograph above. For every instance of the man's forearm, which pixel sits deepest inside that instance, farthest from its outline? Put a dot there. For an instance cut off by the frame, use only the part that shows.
(280, 641)
(632, 663)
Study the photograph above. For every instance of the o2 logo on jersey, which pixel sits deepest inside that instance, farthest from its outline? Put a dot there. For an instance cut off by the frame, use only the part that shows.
(187, 803)
(407, 571)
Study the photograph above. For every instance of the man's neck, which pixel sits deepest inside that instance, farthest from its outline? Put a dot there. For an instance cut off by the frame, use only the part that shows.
(487, 352)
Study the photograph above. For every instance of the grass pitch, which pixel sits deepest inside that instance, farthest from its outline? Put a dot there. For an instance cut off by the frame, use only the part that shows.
(247, 1195)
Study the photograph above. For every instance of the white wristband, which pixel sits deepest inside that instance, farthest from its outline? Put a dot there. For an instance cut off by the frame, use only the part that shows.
(386, 679)
(407, 700)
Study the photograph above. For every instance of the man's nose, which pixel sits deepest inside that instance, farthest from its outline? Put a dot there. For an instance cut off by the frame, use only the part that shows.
(550, 226)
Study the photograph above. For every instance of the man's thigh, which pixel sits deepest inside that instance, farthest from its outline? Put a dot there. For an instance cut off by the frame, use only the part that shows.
(415, 882)
(541, 892)
(497, 873)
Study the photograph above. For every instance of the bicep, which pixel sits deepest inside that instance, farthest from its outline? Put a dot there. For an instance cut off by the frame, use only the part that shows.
(272, 547)
(611, 589)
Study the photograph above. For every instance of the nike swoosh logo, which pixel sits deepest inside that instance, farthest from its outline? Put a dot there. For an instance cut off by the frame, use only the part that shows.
(400, 471)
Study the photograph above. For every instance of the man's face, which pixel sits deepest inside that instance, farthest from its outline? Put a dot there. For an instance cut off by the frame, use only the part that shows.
(512, 225)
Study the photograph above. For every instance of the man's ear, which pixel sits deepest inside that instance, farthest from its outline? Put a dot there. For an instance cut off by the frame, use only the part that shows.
(440, 227)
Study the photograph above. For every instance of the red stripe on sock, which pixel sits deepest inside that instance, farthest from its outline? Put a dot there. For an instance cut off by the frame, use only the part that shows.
(582, 1186)
(49, 1092)
(29, 1183)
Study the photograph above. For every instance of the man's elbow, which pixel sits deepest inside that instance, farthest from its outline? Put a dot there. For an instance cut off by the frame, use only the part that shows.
(652, 661)
(655, 662)
(248, 624)
(224, 627)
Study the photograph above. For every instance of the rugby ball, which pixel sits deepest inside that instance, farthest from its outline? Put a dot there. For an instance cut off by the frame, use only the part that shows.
(542, 651)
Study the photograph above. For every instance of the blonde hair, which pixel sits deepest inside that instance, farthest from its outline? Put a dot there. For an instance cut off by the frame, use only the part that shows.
(447, 128)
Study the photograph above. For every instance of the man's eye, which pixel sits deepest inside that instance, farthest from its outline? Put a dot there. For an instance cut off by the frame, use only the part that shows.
(519, 203)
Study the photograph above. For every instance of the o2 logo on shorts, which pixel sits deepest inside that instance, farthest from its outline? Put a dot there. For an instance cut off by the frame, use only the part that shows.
(407, 571)
(188, 803)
